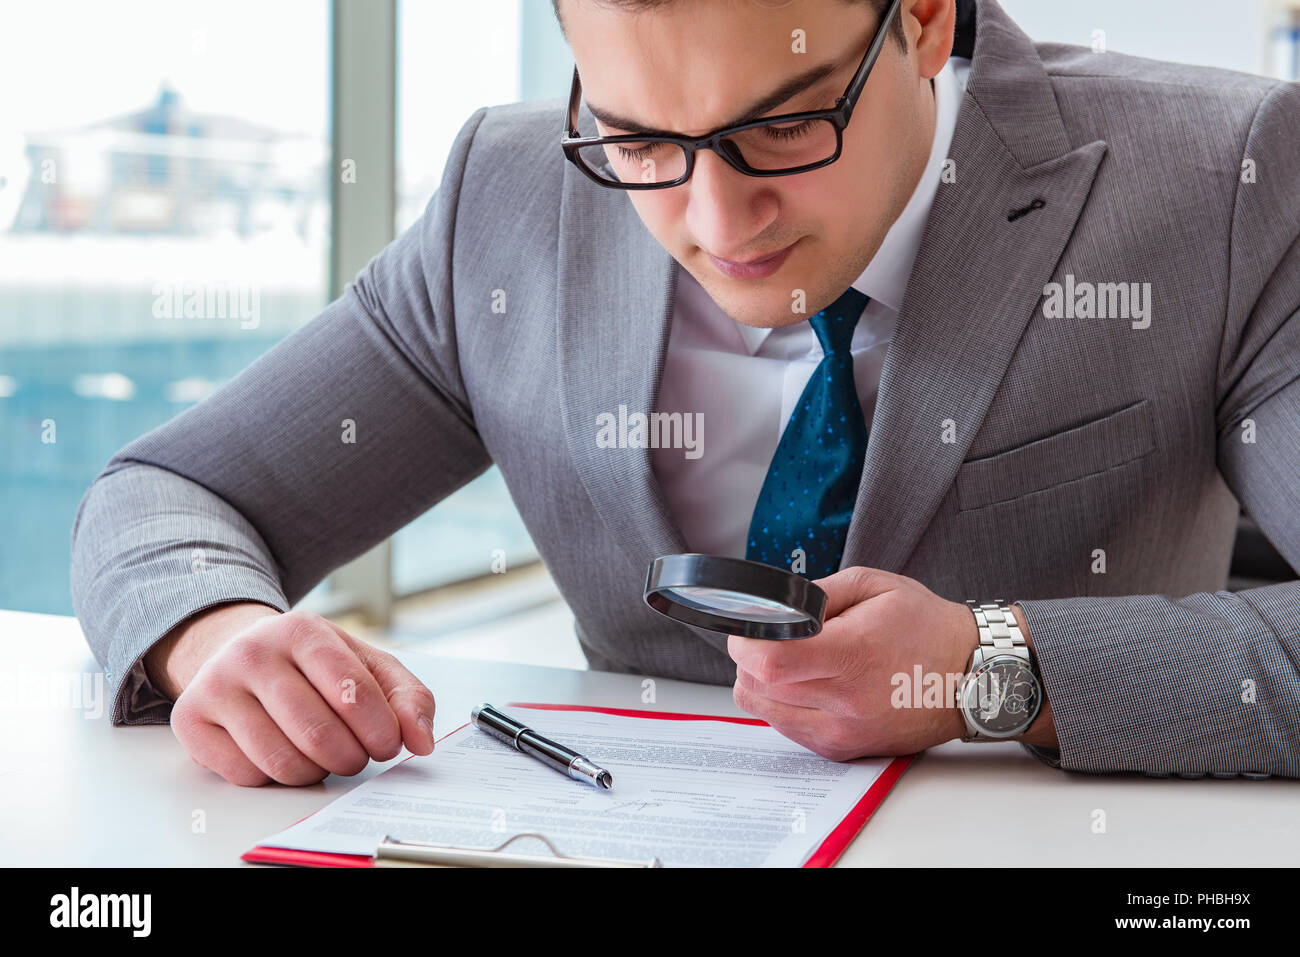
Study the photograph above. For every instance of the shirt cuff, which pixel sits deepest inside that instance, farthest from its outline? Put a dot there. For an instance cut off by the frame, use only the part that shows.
(144, 704)
(1049, 756)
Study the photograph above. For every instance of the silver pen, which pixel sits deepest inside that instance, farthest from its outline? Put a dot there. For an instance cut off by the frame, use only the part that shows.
(525, 739)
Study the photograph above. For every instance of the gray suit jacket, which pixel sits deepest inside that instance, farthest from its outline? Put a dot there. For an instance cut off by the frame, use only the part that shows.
(1072, 439)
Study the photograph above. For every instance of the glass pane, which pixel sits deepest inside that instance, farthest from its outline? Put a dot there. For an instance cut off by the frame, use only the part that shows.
(163, 221)
(636, 162)
(477, 54)
(474, 532)
(452, 58)
(786, 145)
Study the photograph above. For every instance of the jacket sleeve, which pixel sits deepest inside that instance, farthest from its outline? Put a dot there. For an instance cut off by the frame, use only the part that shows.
(338, 436)
(1210, 683)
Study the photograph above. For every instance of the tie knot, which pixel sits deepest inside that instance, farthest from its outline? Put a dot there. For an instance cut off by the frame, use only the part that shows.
(834, 325)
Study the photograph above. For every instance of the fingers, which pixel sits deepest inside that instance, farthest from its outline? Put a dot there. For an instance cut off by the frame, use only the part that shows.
(314, 728)
(266, 746)
(327, 656)
(775, 713)
(804, 726)
(781, 662)
(816, 695)
(852, 586)
(831, 652)
(210, 746)
(410, 700)
(293, 698)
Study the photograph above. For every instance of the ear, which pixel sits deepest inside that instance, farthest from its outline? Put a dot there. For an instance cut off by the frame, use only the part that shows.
(929, 25)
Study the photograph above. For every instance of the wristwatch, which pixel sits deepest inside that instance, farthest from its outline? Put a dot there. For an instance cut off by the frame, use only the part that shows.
(1001, 694)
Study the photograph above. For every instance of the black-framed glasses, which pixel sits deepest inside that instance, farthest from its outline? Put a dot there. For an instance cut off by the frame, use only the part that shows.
(773, 146)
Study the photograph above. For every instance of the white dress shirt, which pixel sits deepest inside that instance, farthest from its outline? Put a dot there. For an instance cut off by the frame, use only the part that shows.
(745, 381)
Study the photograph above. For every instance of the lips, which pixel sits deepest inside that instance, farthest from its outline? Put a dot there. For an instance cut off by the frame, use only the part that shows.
(754, 268)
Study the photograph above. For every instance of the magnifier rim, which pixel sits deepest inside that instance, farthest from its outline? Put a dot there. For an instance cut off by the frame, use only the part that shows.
(695, 570)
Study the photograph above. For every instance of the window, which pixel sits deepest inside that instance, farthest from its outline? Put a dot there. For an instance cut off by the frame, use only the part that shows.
(164, 218)
(452, 59)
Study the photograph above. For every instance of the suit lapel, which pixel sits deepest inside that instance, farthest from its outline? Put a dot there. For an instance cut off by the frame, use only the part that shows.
(616, 287)
(975, 285)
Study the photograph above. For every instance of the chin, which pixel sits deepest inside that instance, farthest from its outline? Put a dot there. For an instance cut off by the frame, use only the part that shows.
(763, 311)
(743, 305)
(768, 320)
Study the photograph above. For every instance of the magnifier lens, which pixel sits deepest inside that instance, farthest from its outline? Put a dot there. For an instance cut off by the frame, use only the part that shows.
(726, 602)
(734, 596)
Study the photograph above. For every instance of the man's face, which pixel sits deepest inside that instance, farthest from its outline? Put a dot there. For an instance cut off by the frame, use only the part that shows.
(693, 66)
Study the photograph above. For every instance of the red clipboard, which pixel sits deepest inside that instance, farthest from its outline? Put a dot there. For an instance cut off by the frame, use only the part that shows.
(825, 855)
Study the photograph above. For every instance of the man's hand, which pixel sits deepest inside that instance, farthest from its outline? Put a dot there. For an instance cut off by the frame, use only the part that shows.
(263, 696)
(832, 692)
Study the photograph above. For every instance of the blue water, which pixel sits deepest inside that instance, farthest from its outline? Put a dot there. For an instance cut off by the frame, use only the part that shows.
(42, 484)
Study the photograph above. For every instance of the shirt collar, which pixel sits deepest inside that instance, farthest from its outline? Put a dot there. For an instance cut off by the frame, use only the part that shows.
(886, 276)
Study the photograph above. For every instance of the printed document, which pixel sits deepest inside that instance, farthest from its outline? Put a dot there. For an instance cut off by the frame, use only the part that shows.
(691, 792)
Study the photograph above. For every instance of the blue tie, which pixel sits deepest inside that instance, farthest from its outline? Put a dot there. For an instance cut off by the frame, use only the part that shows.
(807, 499)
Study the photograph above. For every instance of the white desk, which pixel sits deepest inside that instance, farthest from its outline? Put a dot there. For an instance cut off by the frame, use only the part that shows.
(77, 791)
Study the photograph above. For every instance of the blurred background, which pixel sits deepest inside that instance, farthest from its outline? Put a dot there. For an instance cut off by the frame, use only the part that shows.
(155, 149)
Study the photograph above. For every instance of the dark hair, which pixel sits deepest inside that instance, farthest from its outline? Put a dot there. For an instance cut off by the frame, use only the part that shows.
(895, 29)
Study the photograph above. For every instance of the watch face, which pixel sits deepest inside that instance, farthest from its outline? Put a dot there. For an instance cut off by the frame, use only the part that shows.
(1003, 697)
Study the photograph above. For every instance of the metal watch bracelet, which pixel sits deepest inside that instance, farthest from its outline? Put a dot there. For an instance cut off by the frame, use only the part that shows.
(1000, 635)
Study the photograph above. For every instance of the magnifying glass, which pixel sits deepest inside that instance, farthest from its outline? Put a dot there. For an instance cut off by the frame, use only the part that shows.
(735, 596)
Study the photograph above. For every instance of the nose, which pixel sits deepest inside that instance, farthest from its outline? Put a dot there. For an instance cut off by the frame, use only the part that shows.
(726, 209)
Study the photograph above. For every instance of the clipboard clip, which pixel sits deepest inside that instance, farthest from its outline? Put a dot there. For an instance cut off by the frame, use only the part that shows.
(394, 853)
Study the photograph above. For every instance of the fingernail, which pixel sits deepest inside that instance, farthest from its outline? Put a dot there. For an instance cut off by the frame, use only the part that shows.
(424, 722)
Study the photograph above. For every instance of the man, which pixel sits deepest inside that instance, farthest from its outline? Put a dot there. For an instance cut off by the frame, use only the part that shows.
(1020, 322)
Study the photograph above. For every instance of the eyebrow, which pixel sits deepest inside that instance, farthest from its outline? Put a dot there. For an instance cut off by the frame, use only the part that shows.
(790, 88)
